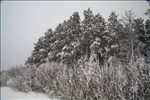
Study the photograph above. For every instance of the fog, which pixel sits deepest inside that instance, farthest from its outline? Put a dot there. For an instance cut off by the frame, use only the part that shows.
(22, 23)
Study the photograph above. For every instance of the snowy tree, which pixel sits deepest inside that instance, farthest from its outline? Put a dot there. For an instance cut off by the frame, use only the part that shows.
(145, 40)
(70, 52)
(87, 32)
(142, 34)
(99, 39)
(98, 51)
(41, 49)
(147, 28)
(37, 53)
(148, 13)
(139, 33)
(129, 35)
(114, 30)
(66, 45)
(59, 42)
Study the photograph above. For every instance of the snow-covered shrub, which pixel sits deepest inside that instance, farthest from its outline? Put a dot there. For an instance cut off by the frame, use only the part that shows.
(18, 78)
(143, 82)
(85, 81)
(4, 78)
(89, 81)
(45, 77)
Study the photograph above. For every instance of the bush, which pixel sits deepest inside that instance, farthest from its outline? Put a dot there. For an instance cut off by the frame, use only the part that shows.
(4, 78)
(18, 78)
(86, 81)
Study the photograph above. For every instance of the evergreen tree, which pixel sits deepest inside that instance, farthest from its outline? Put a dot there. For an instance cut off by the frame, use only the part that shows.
(70, 52)
(148, 13)
(87, 32)
(145, 39)
(94, 39)
(129, 36)
(41, 49)
(99, 39)
(139, 33)
(115, 33)
(143, 34)
(58, 44)
(37, 56)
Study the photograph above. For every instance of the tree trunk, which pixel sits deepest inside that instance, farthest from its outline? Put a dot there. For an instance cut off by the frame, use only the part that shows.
(100, 60)
(87, 56)
(132, 52)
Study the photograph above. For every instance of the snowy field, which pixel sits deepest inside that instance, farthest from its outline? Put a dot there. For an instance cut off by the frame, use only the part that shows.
(10, 94)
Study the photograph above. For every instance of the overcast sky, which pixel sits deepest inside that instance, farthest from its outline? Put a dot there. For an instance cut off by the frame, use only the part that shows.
(22, 23)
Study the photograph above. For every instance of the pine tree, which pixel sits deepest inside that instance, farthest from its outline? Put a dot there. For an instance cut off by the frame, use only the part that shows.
(58, 44)
(139, 33)
(145, 39)
(41, 49)
(87, 32)
(129, 36)
(70, 52)
(148, 13)
(99, 39)
(38, 53)
(114, 30)
(143, 34)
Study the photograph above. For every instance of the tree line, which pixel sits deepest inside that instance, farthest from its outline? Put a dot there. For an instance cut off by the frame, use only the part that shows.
(94, 39)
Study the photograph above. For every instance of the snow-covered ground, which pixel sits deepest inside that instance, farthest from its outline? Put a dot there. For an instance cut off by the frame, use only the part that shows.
(10, 94)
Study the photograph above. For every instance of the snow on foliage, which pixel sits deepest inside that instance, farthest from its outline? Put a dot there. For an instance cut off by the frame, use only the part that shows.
(92, 59)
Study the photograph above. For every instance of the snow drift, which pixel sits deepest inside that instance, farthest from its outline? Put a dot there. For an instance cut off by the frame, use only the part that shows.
(10, 94)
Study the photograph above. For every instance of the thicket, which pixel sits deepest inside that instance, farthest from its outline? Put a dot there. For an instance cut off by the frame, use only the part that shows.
(93, 59)
(94, 39)
(84, 81)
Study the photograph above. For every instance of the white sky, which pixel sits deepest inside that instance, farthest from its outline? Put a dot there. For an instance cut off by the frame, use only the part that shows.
(22, 23)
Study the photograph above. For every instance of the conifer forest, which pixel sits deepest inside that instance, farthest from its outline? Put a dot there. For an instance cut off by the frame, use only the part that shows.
(90, 59)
